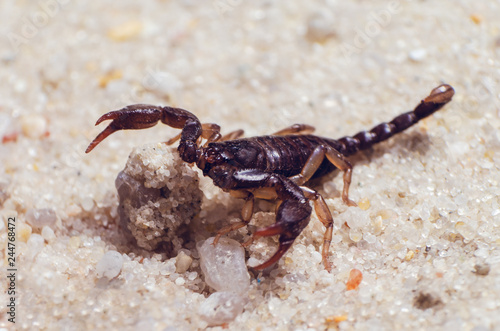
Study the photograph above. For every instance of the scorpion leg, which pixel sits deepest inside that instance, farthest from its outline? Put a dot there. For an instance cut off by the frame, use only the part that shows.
(325, 216)
(232, 135)
(246, 214)
(266, 193)
(336, 158)
(295, 129)
(210, 131)
(312, 164)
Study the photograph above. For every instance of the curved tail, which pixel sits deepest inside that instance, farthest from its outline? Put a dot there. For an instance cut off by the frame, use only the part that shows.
(438, 97)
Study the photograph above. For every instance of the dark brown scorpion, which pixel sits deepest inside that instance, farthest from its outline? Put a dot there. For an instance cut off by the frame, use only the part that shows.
(270, 167)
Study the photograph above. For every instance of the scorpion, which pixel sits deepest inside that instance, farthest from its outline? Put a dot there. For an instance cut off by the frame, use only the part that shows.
(274, 167)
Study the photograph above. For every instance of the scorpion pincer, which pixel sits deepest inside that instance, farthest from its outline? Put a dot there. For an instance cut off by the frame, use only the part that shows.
(270, 167)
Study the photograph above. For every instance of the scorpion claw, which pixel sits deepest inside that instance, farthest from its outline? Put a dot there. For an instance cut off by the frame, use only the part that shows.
(106, 132)
(131, 117)
(108, 116)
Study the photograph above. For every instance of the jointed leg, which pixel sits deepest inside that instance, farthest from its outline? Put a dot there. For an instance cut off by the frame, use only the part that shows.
(295, 129)
(210, 132)
(232, 135)
(314, 162)
(267, 193)
(341, 162)
(246, 214)
(325, 216)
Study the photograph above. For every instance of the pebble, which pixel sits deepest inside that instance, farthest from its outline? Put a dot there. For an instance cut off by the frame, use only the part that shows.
(35, 245)
(182, 262)
(23, 232)
(223, 265)
(320, 27)
(125, 31)
(33, 126)
(418, 55)
(38, 218)
(48, 234)
(109, 265)
(221, 307)
(87, 203)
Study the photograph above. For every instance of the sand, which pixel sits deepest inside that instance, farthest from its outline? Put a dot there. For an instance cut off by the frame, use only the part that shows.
(425, 235)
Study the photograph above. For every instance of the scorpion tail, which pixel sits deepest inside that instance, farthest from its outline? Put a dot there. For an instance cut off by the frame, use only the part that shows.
(438, 97)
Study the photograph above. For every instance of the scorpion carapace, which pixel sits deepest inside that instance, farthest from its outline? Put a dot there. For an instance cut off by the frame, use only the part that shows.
(270, 167)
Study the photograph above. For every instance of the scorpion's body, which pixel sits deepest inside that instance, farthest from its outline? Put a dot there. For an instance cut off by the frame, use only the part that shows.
(270, 167)
(284, 155)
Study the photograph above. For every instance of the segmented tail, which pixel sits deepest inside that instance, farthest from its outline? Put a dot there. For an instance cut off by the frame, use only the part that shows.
(439, 97)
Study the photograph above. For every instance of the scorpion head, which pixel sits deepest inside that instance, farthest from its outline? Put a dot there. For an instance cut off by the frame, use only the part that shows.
(213, 155)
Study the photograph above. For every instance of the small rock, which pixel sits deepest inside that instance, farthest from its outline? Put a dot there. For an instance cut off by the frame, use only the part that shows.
(38, 218)
(33, 126)
(159, 195)
(35, 246)
(182, 262)
(482, 269)
(425, 301)
(221, 307)
(320, 27)
(48, 234)
(109, 265)
(125, 31)
(23, 232)
(417, 55)
(224, 265)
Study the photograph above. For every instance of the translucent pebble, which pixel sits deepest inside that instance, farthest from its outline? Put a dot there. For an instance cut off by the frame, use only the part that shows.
(110, 265)
(223, 265)
(364, 204)
(125, 31)
(23, 232)
(355, 278)
(369, 238)
(33, 126)
(465, 230)
(482, 252)
(221, 307)
(355, 235)
(87, 204)
(417, 55)
(38, 218)
(356, 218)
(320, 27)
(48, 234)
(35, 244)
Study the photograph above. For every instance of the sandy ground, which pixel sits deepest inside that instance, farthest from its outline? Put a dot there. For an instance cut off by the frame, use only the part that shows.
(425, 236)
